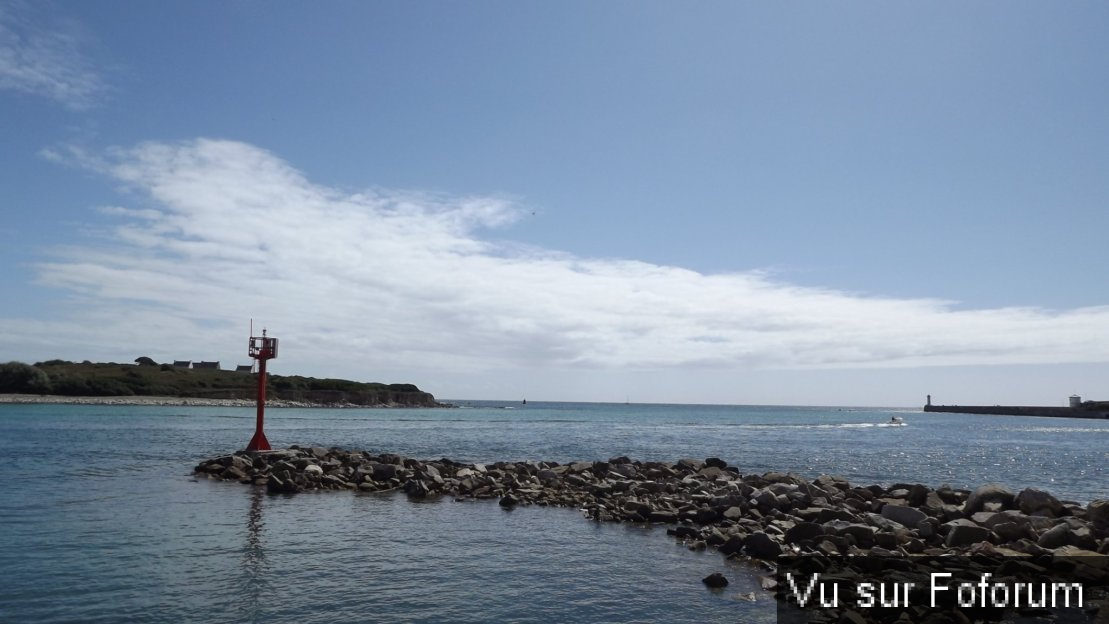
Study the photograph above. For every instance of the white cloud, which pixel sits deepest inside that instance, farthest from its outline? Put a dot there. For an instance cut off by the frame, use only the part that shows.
(45, 57)
(402, 281)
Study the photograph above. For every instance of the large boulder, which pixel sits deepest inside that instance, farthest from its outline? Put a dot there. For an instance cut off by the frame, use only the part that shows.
(384, 472)
(1038, 502)
(862, 534)
(760, 545)
(965, 535)
(992, 495)
(1097, 512)
(1056, 537)
(903, 515)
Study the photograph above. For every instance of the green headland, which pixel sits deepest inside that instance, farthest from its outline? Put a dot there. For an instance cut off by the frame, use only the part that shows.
(147, 378)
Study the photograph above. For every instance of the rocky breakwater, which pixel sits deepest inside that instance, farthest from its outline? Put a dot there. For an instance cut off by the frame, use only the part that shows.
(709, 504)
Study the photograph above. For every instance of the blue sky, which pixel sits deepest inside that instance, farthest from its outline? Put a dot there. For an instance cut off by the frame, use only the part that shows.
(814, 203)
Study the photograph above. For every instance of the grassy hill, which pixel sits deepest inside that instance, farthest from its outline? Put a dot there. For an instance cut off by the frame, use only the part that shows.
(64, 378)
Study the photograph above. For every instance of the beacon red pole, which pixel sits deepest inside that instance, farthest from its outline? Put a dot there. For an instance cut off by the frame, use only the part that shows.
(262, 349)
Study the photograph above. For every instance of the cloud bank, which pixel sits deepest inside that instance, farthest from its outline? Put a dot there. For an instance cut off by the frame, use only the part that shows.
(215, 232)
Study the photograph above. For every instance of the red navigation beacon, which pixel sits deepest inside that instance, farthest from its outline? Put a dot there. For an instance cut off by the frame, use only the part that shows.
(262, 349)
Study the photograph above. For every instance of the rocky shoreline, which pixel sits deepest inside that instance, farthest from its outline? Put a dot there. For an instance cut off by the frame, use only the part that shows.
(709, 504)
(54, 399)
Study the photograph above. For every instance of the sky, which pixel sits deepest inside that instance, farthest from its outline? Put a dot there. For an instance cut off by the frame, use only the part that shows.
(855, 203)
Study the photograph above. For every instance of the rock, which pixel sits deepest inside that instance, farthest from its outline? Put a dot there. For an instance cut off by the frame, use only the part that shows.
(313, 469)
(1012, 531)
(730, 546)
(982, 518)
(416, 488)
(627, 470)
(733, 513)
(830, 482)
(903, 515)
(933, 504)
(999, 495)
(684, 532)
(277, 486)
(233, 473)
(760, 545)
(666, 517)
(384, 472)
(1097, 512)
(708, 515)
(964, 535)
(715, 580)
(804, 531)
(1055, 537)
(716, 462)
(1038, 502)
(711, 472)
(508, 501)
(861, 534)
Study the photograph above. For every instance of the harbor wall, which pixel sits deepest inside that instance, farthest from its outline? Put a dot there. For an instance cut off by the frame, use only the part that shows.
(1020, 410)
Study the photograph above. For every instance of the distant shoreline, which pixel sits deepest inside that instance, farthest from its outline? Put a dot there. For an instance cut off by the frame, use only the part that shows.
(54, 399)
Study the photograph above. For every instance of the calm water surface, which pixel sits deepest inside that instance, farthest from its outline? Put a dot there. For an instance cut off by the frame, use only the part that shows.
(104, 523)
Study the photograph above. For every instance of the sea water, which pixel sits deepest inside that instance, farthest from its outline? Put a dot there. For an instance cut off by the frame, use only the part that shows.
(101, 519)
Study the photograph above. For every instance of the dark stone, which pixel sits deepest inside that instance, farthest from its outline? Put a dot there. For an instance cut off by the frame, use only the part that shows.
(666, 517)
(416, 488)
(730, 546)
(804, 531)
(277, 486)
(963, 535)
(706, 515)
(761, 545)
(862, 534)
(716, 462)
(715, 580)
(691, 464)
(684, 532)
(384, 472)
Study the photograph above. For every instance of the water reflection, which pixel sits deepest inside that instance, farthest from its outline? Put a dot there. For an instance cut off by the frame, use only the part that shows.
(255, 569)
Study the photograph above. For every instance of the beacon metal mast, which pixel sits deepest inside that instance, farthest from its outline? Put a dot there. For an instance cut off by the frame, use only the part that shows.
(262, 349)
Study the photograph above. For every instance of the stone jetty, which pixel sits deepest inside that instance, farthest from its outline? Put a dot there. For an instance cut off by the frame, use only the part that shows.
(767, 519)
(709, 504)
